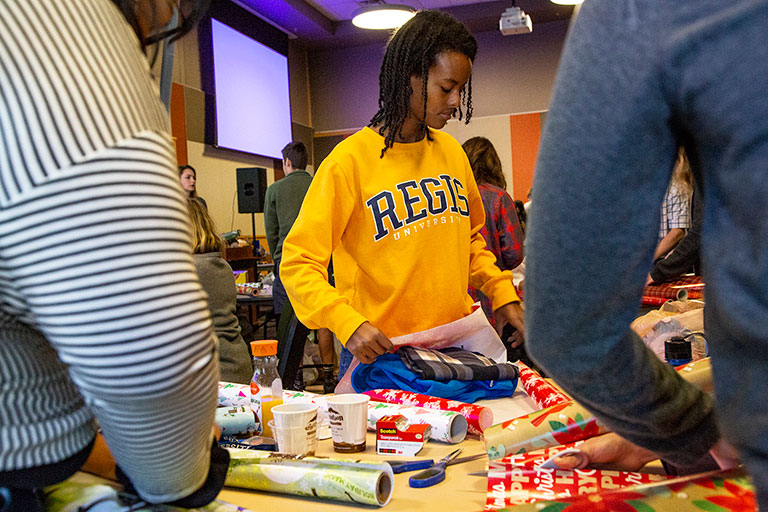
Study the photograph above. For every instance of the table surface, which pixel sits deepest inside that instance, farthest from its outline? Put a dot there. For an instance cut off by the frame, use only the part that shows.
(254, 299)
(459, 491)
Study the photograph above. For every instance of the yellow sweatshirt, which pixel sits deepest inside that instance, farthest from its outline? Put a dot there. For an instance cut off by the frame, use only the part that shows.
(404, 231)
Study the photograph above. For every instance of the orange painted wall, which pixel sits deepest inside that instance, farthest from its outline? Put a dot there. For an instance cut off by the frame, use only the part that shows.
(524, 134)
(179, 122)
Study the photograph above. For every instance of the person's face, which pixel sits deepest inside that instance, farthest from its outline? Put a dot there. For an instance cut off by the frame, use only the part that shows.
(446, 80)
(188, 180)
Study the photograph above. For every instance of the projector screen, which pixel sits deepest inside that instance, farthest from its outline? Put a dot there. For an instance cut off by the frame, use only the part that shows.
(253, 109)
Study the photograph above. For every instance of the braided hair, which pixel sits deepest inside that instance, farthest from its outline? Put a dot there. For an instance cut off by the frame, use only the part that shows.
(411, 51)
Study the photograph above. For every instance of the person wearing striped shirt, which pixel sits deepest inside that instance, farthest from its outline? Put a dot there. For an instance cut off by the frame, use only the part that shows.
(102, 316)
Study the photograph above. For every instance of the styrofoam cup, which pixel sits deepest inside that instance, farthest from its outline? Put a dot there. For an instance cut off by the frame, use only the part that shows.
(295, 440)
(294, 414)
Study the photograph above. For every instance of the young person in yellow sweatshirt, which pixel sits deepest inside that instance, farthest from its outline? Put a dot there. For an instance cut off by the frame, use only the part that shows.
(397, 205)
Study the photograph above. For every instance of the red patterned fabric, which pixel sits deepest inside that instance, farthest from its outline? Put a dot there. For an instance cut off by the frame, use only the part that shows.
(503, 236)
(658, 294)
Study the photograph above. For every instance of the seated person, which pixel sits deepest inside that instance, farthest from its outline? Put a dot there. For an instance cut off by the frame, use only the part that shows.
(188, 178)
(676, 209)
(684, 257)
(219, 283)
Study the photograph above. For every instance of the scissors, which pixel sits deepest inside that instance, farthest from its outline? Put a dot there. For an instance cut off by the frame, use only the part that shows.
(436, 473)
(403, 466)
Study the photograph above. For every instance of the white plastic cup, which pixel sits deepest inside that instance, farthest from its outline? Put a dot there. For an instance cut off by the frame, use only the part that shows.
(295, 414)
(348, 414)
(295, 440)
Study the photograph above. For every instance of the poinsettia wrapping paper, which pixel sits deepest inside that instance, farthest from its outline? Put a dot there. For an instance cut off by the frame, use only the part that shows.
(541, 391)
(520, 479)
(478, 418)
(554, 426)
(231, 393)
(708, 492)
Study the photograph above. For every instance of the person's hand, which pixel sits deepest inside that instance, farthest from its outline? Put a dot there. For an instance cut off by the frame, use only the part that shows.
(367, 343)
(725, 455)
(511, 314)
(648, 280)
(609, 451)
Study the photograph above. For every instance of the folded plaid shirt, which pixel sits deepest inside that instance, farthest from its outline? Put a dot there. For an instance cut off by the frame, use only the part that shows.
(454, 364)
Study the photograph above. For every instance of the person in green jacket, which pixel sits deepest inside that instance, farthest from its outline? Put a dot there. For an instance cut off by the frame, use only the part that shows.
(282, 203)
(281, 207)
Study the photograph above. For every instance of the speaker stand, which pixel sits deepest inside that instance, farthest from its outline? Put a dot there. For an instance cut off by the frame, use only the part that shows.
(253, 234)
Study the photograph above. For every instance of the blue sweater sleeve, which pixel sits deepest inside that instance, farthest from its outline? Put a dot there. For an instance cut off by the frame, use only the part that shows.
(609, 144)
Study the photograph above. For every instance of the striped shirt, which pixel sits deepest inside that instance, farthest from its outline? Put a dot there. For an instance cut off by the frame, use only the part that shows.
(101, 311)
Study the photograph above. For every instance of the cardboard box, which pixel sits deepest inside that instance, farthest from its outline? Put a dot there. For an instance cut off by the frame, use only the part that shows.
(396, 436)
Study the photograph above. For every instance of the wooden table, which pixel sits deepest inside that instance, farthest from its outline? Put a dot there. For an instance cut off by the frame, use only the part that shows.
(257, 302)
(459, 491)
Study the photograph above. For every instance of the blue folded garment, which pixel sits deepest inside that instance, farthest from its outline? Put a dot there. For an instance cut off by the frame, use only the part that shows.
(389, 372)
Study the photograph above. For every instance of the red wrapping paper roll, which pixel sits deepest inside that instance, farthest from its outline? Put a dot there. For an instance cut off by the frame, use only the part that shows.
(542, 392)
(518, 479)
(478, 418)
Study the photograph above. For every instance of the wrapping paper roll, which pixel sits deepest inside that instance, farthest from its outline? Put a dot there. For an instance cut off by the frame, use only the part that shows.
(554, 426)
(323, 421)
(447, 426)
(567, 422)
(716, 491)
(510, 485)
(541, 391)
(71, 496)
(532, 459)
(478, 418)
(236, 421)
(358, 482)
(231, 394)
(698, 373)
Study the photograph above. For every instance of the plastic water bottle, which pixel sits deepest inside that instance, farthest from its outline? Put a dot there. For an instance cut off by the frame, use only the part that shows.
(266, 386)
(677, 351)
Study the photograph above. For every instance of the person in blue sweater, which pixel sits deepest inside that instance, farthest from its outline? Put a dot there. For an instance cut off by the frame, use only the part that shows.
(637, 80)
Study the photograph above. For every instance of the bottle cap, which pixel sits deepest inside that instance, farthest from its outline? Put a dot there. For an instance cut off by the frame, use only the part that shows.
(264, 348)
(677, 347)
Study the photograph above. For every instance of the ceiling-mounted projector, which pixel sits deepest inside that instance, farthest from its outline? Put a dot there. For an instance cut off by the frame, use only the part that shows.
(515, 21)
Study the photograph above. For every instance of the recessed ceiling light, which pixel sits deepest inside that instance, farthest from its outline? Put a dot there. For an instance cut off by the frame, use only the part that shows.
(381, 16)
(567, 2)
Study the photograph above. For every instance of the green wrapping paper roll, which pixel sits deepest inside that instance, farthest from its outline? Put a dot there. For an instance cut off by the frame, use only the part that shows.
(71, 496)
(556, 425)
(364, 483)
